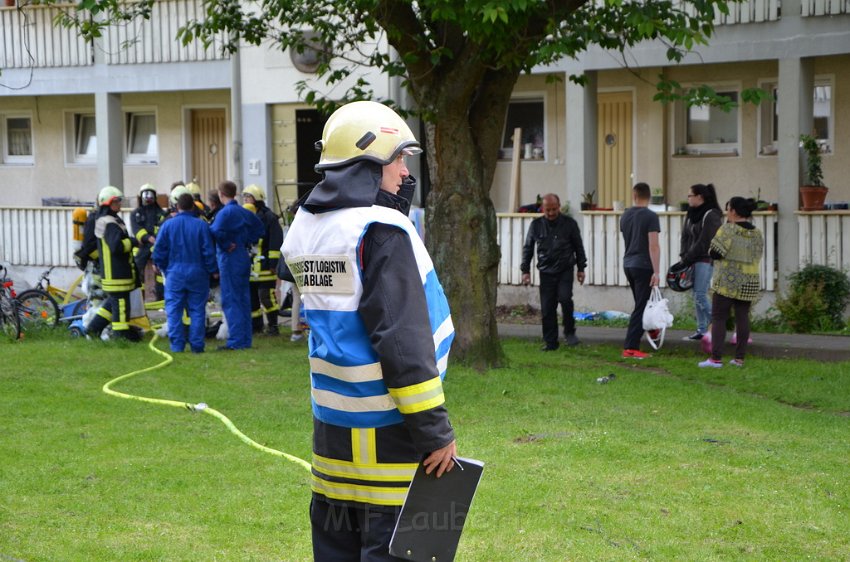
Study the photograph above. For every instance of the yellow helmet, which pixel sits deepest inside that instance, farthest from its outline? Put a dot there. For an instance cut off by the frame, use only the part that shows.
(79, 216)
(147, 187)
(193, 188)
(177, 192)
(255, 191)
(108, 194)
(364, 130)
(250, 206)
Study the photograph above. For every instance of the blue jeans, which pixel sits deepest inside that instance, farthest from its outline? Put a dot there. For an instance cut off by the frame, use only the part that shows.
(702, 281)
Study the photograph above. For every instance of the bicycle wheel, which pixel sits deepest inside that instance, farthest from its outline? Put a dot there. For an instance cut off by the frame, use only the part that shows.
(37, 309)
(10, 322)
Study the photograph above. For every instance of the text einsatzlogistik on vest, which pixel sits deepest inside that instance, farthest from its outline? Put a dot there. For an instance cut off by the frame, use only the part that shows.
(323, 274)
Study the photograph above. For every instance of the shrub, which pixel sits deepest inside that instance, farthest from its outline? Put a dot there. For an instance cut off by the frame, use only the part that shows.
(816, 299)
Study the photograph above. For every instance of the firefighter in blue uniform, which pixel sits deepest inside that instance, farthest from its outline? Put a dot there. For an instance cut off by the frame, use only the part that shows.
(185, 252)
(235, 229)
(145, 221)
(118, 270)
(264, 267)
(380, 334)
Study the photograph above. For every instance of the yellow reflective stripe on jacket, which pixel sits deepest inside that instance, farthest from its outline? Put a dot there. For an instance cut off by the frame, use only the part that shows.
(419, 397)
(360, 373)
(141, 234)
(363, 448)
(118, 285)
(336, 401)
(379, 472)
(274, 254)
(127, 245)
(377, 495)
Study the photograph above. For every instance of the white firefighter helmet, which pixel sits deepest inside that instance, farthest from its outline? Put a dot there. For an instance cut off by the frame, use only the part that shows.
(109, 194)
(177, 192)
(365, 130)
(255, 191)
(147, 187)
(194, 189)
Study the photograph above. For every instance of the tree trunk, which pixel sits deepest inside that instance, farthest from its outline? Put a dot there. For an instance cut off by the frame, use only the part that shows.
(461, 237)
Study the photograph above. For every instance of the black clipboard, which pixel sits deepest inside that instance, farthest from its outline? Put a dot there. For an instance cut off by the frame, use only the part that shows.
(431, 520)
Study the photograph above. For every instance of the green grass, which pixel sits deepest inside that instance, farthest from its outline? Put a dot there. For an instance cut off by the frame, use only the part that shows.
(666, 462)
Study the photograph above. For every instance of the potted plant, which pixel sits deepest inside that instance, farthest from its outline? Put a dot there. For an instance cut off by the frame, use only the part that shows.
(684, 206)
(813, 192)
(587, 200)
(657, 197)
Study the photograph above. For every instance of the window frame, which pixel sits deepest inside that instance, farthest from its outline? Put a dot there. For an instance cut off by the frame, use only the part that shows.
(137, 158)
(16, 159)
(73, 135)
(768, 110)
(680, 125)
(506, 152)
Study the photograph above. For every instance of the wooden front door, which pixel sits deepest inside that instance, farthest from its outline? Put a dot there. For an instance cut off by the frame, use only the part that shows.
(209, 149)
(614, 164)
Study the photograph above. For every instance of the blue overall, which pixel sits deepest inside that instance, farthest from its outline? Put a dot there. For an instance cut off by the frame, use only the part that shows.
(184, 251)
(234, 230)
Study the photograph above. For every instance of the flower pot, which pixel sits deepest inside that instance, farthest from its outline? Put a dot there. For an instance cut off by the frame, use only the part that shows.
(657, 199)
(586, 206)
(813, 197)
(684, 207)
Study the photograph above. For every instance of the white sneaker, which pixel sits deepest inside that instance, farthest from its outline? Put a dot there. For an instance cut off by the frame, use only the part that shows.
(736, 362)
(296, 337)
(711, 363)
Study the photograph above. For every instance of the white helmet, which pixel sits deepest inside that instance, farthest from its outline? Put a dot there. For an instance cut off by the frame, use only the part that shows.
(364, 130)
(109, 194)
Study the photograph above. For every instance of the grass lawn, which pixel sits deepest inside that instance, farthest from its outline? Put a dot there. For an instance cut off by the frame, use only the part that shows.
(666, 462)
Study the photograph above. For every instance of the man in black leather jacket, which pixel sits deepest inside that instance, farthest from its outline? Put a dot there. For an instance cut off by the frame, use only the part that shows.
(559, 250)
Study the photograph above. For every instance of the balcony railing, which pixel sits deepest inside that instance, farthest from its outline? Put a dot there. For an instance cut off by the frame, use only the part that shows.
(825, 7)
(28, 38)
(155, 40)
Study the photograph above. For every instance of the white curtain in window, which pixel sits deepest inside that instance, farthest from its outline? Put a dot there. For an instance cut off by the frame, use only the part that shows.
(19, 136)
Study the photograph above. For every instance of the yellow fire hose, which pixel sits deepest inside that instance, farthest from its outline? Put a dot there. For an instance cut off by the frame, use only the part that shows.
(199, 407)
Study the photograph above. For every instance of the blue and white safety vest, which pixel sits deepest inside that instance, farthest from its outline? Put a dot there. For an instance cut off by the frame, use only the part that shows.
(348, 389)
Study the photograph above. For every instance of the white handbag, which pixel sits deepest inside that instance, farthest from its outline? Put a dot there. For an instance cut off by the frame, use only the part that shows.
(656, 319)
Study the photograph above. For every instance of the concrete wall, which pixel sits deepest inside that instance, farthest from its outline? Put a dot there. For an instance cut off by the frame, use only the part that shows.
(52, 176)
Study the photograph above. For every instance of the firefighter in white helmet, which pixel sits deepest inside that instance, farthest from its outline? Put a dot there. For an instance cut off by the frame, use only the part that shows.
(145, 221)
(380, 333)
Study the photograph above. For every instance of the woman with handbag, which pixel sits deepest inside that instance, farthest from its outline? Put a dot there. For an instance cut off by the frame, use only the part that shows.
(701, 223)
(736, 250)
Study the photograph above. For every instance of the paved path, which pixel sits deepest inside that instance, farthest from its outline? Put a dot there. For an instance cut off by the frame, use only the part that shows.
(825, 348)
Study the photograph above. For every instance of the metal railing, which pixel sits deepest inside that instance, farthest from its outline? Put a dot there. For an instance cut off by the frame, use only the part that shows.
(155, 40)
(29, 38)
(604, 246)
(43, 236)
(824, 7)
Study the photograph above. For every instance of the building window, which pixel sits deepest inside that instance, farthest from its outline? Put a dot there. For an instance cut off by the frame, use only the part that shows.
(822, 120)
(528, 115)
(707, 130)
(142, 144)
(85, 138)
(17, 140)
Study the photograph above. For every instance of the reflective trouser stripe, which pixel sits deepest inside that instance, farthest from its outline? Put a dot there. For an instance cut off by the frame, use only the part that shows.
(376, 495)
(376, 472)
(419, 397)
(120, 323)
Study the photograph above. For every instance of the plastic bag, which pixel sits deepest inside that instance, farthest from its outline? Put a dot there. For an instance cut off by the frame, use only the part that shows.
(656, 319)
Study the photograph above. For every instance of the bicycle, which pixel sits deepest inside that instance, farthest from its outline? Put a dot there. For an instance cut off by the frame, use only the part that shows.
(39, 306)
(10, 320)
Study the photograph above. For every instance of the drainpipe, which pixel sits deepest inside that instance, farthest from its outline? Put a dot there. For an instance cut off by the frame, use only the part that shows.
(236, 116)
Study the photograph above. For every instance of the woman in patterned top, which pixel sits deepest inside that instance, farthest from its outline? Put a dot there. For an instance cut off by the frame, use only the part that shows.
(736, 250)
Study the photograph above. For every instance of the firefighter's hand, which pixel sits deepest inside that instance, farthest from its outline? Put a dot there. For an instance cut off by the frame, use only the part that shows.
(441, 459)
(526, 278)
(151, 239)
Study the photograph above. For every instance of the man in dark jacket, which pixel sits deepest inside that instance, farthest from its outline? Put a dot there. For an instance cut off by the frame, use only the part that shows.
(264, 267)
(559, 250)
(145, 221)
(380, 334)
